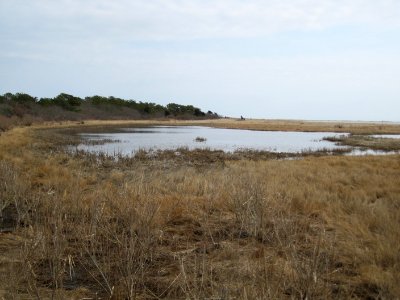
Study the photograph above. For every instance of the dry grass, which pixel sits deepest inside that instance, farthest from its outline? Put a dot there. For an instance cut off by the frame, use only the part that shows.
(367, 142)
(309, 126)
(6, 123)
(81, 226)
(272, 125)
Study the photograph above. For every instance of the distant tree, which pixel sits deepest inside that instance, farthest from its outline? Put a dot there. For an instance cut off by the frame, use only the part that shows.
(146, 108)
(198, 112)
(8, 97)
(178, 109)
(21, 103)
(68, 102)
(46, 101)
(96, 100)
(24, 98)
(174, 109)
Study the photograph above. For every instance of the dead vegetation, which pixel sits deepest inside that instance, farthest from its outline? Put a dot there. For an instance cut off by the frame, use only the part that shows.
(306, 126)
(363, 128)
(367, 142)
(84, 226)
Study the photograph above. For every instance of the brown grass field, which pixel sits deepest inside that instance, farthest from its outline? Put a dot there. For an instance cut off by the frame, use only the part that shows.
(90, 227)
(255, 124)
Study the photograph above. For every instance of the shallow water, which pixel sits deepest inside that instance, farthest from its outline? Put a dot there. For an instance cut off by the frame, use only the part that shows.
(361, 152)
(386, 136)
(229, 140)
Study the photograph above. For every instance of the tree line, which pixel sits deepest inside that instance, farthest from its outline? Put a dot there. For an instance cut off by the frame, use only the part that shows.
(74, 104)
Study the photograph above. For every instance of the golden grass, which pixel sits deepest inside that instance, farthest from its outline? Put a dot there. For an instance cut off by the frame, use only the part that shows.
(367, 142)
(310, 126)
(251, 124)
(325, 227)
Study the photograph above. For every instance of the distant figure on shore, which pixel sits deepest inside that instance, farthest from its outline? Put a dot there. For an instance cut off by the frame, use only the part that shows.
(241, 118)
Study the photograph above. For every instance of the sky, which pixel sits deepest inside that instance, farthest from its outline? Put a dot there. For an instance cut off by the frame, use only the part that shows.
(273, 59)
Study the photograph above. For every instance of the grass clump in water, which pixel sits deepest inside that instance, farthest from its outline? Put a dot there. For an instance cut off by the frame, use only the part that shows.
(200, 139)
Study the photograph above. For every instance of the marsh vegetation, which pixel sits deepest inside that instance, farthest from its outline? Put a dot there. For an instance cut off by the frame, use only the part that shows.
(197, 225)
(200, 139)
(375, 142)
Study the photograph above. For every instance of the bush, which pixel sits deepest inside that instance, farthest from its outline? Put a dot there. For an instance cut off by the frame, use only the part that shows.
(7, 123)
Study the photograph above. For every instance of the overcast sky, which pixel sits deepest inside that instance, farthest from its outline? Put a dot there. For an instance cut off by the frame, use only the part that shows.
(302, 59)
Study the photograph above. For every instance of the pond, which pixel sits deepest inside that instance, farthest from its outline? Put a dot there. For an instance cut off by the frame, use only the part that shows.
(129, 140)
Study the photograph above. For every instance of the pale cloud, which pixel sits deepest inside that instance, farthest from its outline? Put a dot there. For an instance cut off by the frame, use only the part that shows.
(177, 19)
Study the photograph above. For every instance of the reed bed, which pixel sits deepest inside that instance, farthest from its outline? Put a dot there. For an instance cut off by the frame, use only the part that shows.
(367, 142)
(363, 128)
(84, 226)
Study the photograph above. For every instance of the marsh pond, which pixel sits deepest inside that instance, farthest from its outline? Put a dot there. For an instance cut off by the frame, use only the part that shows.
(127, 141)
